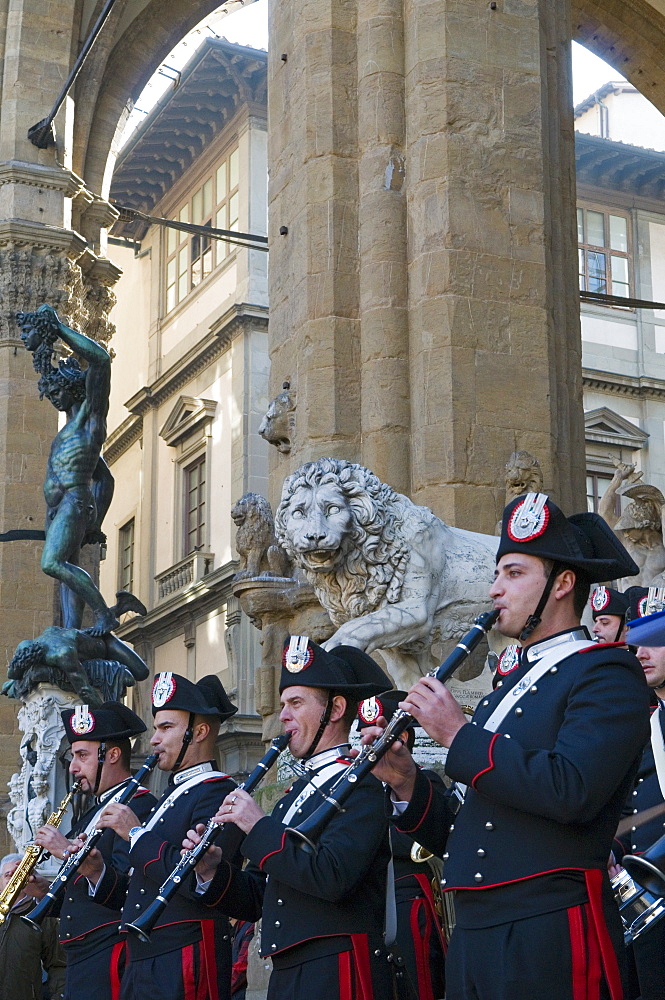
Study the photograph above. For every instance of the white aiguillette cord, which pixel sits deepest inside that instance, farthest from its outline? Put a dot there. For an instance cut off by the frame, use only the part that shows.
(514, 694)
(658, 747)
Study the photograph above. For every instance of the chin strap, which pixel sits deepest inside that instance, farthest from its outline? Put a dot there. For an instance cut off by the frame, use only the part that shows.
(533, 621)
(325, 719)
(622, 625)
(101, 757)
(186, 740)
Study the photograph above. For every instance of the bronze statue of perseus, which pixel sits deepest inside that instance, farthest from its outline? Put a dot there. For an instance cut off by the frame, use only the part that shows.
(79, 486)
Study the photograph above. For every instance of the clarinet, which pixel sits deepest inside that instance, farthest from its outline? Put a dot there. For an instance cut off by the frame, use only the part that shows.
(228, 836)
(311, 828)
(68, 870)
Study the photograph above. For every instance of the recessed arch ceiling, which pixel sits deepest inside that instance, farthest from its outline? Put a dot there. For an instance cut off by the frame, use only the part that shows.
(630, 36)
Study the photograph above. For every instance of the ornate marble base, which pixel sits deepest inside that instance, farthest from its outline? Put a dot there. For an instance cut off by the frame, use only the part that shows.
(41, 784)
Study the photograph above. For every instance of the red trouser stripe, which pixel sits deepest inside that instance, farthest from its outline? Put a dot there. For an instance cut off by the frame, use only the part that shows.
(594, 883)
(421, 946)
(594, 969)
(578, 953)
(345, 984)
(363, 969)
(116, 956)
(208, 959)
(188, 978)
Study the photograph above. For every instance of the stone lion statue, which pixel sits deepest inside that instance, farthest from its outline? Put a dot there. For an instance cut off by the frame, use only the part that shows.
(390, 574)
(278, 424)
(255, 538)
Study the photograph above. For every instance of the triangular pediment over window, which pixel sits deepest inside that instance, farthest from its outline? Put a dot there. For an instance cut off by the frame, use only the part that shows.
(604, 426)
(186, 417)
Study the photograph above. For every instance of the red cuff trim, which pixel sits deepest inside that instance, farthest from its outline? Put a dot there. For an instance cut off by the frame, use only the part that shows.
(280, 848)
(490, 755)
(413, 829)
(152, 860)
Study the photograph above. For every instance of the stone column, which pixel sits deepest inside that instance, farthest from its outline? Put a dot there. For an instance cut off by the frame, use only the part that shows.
(314, 295)
(384, 337)
(495, 348)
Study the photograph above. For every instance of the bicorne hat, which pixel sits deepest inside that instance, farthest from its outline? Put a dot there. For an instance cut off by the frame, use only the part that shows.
(206, 697)
(111, 721)
(386, 704)
(638, 598)
(607, 601)
(533, 524)
(345, 669)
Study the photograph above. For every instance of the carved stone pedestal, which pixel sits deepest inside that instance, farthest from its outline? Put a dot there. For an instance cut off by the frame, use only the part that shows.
(39, 787)
(279, 607)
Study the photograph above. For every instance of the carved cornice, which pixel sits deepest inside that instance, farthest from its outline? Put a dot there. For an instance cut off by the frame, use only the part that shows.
(99, 269)
(122, 438)
(19, 233)
(41, 176)
(222, 331)
(640, 387)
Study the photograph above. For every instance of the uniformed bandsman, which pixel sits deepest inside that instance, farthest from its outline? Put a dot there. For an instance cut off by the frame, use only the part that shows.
(547, 764)
(188, 956)
(608, 610)
(649, 948)
(101, 750)
(419, 938)
(323, 911)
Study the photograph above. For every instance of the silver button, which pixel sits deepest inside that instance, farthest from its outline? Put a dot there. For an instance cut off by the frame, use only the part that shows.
(507, 735)
(142, 891)
(67, 934)
(480, 852)
(534, 689)
(478, 877)
(277, 923)
(634, 793)
(519, 711)
(499, 684)
(451, 828)
(70, 900)
(445, 856)
(489, 826)
(280, 902)
(69, 916)
(443, 881)
(486, 702)
(634, 810)
(377, 951)
(137, 906)
(273, 947)
(554, 670)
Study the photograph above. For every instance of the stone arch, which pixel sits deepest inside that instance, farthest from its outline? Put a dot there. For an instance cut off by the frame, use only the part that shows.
(119, 72)
(630, 36)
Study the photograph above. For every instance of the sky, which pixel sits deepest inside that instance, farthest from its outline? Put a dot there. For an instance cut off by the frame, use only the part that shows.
(249, 26)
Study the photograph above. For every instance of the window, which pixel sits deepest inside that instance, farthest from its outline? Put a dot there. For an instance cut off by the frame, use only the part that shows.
(126, 556)
(596, 484)
(604, 261)
(191, 258)
(194, 496)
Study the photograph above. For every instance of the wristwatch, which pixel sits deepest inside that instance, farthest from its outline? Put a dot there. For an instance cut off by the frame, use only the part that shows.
(134, 834)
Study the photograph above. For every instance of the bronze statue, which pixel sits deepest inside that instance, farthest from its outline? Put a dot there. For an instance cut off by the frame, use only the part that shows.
(96, 668)
(78, 486)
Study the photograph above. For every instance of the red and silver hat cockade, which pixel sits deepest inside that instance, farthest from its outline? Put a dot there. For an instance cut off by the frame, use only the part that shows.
(529, 519)
(298, 655)
(509, 659)
(82, 721)
(600, 599)
(163, 689)
(370, 710)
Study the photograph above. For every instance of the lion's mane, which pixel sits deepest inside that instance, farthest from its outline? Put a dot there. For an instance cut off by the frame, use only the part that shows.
(376, 554)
